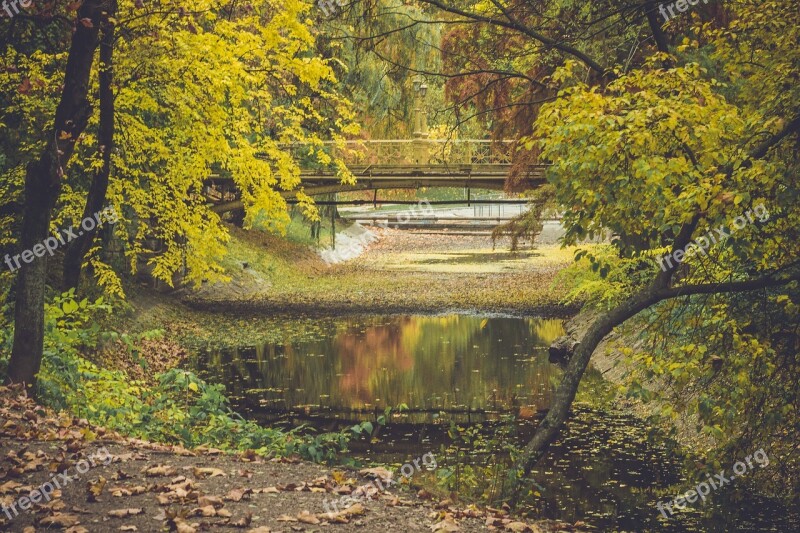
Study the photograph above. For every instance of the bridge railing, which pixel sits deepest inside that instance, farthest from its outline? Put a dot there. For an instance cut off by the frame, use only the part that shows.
(445, 152)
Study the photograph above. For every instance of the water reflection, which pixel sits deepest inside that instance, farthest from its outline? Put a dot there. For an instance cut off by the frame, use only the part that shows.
(358, 364)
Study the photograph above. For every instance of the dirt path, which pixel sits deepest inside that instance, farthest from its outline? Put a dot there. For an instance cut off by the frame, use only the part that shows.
(61, 473)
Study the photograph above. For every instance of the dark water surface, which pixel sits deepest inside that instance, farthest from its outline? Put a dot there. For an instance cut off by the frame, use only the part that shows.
(472, 371)
(353, 366)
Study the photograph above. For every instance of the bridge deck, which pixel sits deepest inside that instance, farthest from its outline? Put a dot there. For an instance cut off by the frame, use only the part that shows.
(401, 164)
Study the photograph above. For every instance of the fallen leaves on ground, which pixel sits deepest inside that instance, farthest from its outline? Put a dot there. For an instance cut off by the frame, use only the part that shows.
(448, 524)
(208, 472)
(123, 513)
(378, 473)
(59, 520)
(159, 471)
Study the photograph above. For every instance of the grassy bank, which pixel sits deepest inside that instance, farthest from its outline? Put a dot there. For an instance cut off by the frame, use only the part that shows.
(452, 274)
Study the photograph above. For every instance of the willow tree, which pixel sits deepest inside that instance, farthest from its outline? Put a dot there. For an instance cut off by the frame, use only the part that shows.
(380, 46)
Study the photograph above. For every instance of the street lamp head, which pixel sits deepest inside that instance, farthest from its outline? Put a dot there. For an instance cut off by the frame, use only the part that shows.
(423, 90)
(418, 82)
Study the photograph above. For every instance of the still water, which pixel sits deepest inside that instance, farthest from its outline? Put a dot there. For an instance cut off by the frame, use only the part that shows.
(353, 366)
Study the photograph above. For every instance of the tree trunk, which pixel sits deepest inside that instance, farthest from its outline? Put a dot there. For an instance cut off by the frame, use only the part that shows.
(565, 394)
(42, 188)
(77, 249)
(655, 26)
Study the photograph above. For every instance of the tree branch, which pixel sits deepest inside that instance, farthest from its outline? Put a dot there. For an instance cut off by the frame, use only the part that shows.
(521, 28)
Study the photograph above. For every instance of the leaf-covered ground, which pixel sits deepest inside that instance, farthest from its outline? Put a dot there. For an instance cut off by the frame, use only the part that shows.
(402, 272)
(139, 486)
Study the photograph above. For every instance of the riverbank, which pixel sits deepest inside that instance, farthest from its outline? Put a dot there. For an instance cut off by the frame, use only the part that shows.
(615, 368)
(106, 482)
(402, 272)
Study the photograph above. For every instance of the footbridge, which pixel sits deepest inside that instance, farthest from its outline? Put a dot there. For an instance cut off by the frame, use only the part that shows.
(398, 164)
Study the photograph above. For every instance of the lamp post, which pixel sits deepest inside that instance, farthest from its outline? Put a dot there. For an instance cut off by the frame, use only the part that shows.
(420, 119)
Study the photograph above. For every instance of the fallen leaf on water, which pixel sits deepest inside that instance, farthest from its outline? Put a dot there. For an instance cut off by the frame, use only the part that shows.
(286, 518)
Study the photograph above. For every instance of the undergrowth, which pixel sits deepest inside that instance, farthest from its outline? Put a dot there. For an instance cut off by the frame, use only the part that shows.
(180, 408)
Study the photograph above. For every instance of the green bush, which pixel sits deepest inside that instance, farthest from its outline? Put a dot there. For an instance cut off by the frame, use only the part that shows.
(180, 409)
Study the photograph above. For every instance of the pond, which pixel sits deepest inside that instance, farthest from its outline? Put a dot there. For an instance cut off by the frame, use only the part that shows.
(485, 376)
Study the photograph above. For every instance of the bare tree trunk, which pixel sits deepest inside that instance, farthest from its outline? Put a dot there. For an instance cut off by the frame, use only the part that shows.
(42, 188)
(77, 249)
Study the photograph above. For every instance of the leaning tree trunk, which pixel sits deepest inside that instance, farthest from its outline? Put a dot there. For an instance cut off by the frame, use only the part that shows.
(42, 188)
(565, 393)
(77, 249)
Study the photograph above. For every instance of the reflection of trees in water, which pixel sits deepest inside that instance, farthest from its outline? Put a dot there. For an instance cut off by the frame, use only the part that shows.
(372, 356)
(424, 361)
